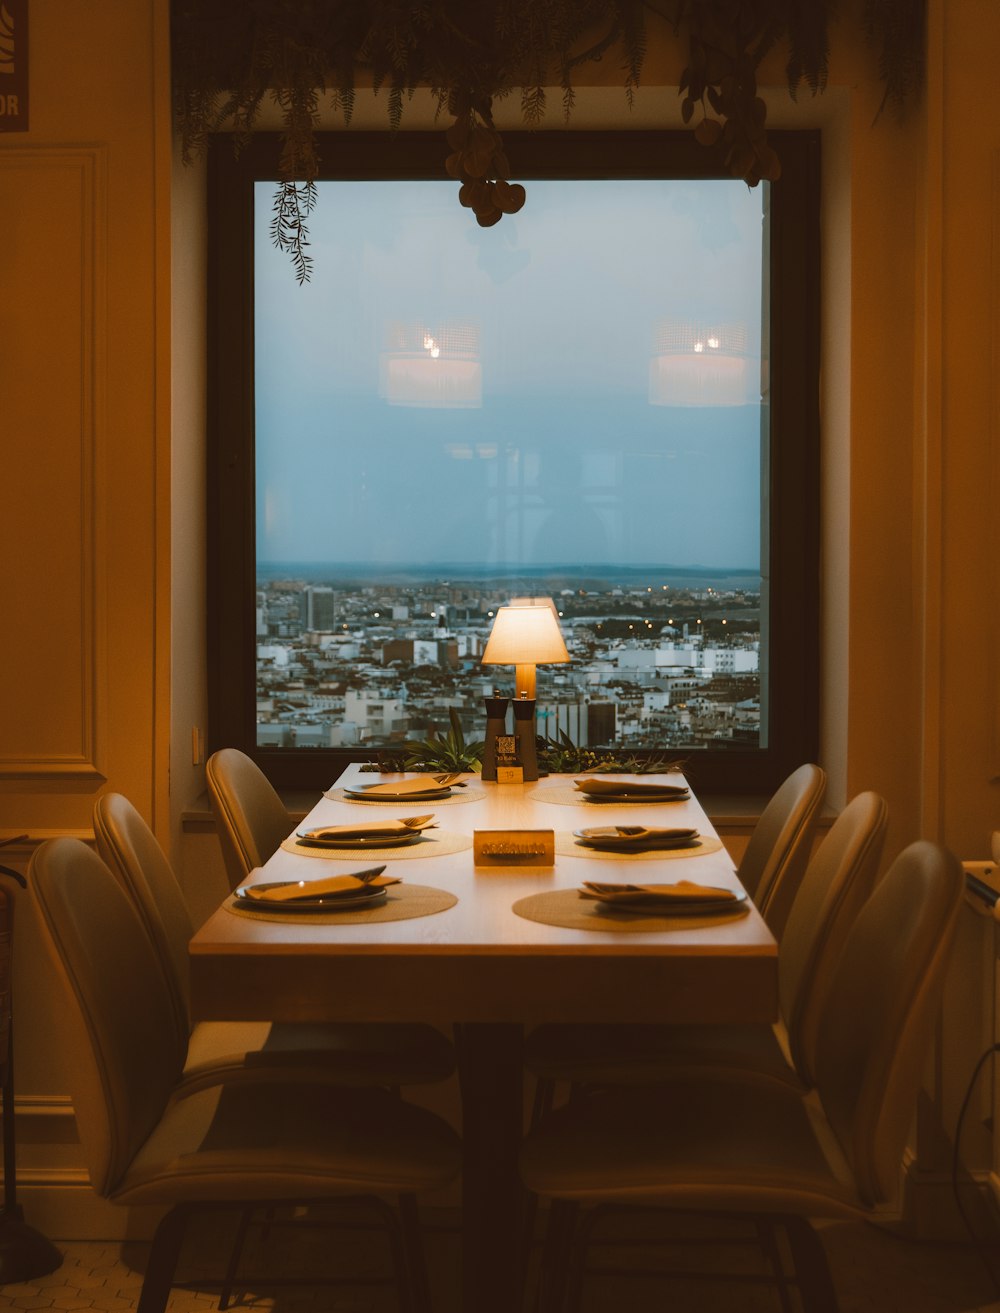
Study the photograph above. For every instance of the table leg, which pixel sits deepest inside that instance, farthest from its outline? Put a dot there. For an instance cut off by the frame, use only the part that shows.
(490, 1072)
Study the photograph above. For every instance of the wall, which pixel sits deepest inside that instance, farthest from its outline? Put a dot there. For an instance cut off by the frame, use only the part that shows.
(101, 376)
(84, 426)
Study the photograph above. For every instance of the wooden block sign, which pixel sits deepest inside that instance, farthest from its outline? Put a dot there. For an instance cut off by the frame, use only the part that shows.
(13, 65)
(514, 847)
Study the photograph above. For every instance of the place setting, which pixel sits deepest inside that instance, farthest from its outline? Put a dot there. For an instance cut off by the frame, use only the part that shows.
(602, 792)
(443, 787)
(631, 842)
(362, 895)
(405, 836)
(629, 907)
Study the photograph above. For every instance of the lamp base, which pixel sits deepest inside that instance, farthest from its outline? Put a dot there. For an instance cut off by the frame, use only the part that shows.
(24, 1252)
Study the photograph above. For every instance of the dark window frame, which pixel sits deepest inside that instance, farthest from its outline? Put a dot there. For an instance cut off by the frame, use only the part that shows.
(790, 615)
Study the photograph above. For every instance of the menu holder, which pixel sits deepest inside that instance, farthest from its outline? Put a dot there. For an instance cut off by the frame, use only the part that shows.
(513, 848)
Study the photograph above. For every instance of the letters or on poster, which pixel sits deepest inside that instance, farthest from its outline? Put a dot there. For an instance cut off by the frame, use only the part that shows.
(13, 65)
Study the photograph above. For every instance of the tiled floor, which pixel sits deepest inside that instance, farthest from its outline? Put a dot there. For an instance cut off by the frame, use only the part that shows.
(875, 1272)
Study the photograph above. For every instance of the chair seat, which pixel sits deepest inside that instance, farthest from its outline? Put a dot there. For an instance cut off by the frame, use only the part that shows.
(338, 1053)
(651, 1055)
(706, 1145)
(256, 1142)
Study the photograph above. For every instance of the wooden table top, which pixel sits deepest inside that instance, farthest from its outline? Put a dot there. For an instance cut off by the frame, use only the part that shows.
(480, 961)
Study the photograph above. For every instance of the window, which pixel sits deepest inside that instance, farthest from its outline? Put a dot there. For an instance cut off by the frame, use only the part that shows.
(609, 399)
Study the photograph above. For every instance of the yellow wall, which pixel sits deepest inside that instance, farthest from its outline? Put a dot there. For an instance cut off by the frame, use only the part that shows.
(101, 379)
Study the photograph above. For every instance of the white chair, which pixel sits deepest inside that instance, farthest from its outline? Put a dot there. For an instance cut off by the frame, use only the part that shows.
(341, 1053)
(775, 858)
(250, 817)
(150, 1139)
(837, 882)
(766, 1149)
(773, 864)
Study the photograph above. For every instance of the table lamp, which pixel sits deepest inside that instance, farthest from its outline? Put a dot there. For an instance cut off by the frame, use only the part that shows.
(523, 637)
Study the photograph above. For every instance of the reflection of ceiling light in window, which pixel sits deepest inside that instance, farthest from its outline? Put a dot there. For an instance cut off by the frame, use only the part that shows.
(682, 372)
(435, 370)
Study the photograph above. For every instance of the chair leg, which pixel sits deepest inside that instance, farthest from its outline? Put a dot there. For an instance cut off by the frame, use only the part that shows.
(769, 1247)
(418, 1287)
(550, 1292)
(541, 1104)
(162, 1263)
(811, 1266)
(229, 1280)
(578, 1242)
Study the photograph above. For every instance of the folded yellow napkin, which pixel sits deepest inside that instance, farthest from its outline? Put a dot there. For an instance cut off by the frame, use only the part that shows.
(366, 829)
(418, 784)
(684, 891)
(615, 788)
(333, 884)
(636, 833)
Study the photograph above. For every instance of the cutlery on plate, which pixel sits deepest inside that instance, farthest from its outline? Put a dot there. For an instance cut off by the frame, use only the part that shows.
(366, 876)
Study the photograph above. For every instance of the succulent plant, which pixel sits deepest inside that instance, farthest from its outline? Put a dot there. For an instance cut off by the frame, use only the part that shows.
(563, 757)
(445, 751)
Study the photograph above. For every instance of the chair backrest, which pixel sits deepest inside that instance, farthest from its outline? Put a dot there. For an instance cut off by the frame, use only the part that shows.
(837, 883)
(880, 1011)
(776, 856)
(123, 1059)
(251, 818)
(130, 850)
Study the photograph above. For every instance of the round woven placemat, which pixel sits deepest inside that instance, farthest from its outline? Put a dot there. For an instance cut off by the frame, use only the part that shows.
(568, 846)
(568, 795)
(440, 845)
(468, 794)
(565, 908)
(404, 902)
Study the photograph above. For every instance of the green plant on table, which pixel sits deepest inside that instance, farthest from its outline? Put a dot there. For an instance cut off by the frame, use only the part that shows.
(564, 757)
(447, 751)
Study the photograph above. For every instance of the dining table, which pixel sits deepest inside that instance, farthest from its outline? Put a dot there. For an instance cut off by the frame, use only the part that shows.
(492, 929)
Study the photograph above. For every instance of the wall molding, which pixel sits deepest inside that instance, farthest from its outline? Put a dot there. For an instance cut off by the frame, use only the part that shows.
(70, 746)
(994, 473)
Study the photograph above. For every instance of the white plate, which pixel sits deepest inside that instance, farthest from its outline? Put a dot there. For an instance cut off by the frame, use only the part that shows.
(363, 795)
(605, 839)
(631, 798)
(359, 841)
(663, 907)
(370, 896)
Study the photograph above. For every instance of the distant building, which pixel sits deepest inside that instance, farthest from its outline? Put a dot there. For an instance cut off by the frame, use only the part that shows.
(317, 607)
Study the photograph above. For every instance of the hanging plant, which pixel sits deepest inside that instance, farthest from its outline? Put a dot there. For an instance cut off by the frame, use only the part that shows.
(229, 56)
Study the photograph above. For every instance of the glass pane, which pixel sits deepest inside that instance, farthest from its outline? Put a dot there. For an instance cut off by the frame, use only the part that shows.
(565, 405)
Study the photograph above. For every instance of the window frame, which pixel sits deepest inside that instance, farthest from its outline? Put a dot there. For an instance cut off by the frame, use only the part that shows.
(790, 496)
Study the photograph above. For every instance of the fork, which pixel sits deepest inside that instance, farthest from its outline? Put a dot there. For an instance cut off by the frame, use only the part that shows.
(368, 875)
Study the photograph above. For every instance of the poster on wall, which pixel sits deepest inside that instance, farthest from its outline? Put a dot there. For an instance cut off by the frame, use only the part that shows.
(13, 65)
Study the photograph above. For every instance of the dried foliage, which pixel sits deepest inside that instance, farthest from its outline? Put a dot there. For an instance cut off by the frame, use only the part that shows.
(231, 55)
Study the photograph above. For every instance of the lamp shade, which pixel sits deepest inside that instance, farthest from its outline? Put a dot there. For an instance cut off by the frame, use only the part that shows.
(524, 633)
(699, 365)
(436, 368)
(524, 636)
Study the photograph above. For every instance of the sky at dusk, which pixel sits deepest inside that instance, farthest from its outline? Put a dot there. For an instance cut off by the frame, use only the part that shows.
(556, 453)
